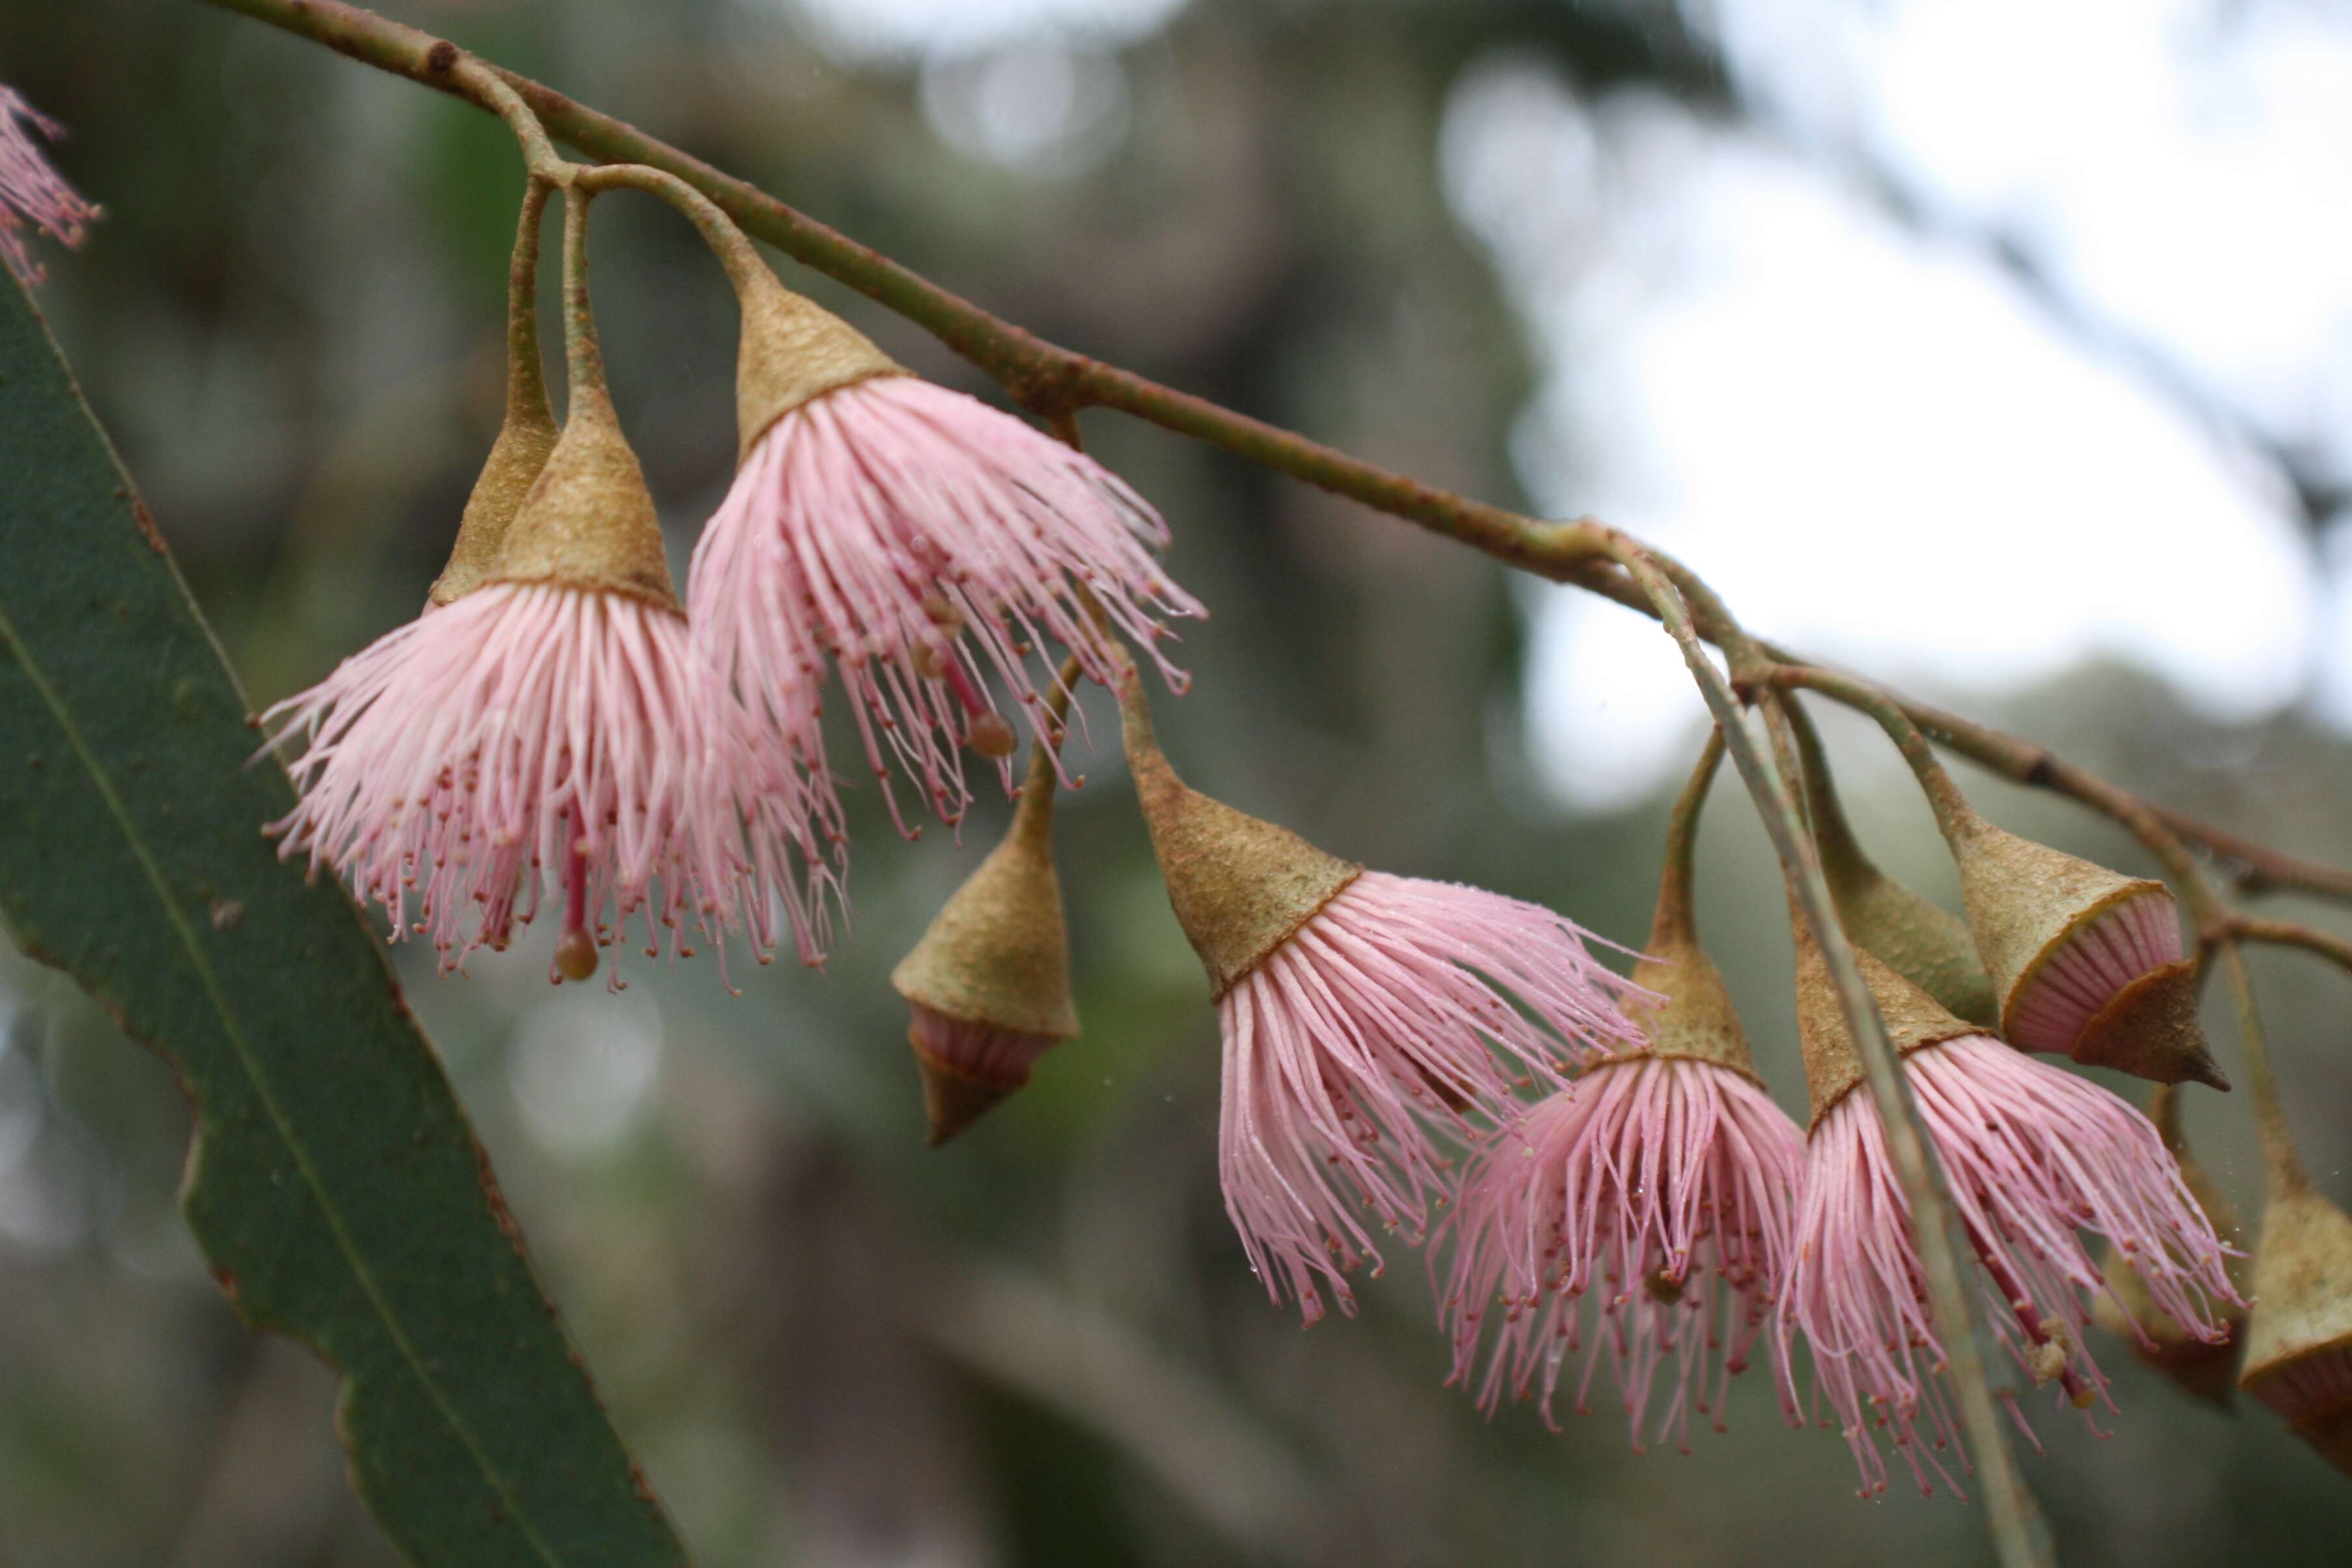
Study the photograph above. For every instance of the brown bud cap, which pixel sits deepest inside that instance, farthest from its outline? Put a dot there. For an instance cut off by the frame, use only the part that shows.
(2129, 1311)
(588, 521)
(1915, 1020)
(2150, 1031)
(2027, 903)
(516, 458)
(1241, 887)
(792, 350)
(997, 955)
(1697, 1019)
(2303, 1317)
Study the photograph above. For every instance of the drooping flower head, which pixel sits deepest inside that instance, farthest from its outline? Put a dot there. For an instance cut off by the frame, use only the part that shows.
(33, 194)
(545, 723)
(2086, 963)
(988, 986)
(1362, 1014)
(2034, 1157)
(1646, 1214)
(924, 543)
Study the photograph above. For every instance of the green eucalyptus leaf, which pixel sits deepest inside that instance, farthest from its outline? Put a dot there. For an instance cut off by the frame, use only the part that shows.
(334, 1183)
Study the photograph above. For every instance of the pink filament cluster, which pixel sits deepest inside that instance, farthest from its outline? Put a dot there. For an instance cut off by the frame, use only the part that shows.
(1403, 1007)
(527, 731)
(2033, 1155)
(923, 541)
(2135, 937)
(31, 192)
(1653, 1205)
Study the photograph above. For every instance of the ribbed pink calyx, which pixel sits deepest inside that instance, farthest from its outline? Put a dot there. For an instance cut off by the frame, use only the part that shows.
(530, 733)
(928, 545)
(1401, 1010)
(1644, 1216)
(2034, 1156)
(2132, 938)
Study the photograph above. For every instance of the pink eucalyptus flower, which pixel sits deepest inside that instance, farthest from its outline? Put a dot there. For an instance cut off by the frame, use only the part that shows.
(1378, 1020)
(31, 192)
(528, 730)
(1660, 1193)
(924, 542)
(2033, 1155)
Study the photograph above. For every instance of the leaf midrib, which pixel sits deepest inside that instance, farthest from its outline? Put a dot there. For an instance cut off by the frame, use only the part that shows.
(104, 785)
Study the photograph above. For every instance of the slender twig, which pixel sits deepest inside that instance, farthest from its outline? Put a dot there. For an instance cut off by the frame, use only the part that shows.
(1052, 381)
(2287, 934)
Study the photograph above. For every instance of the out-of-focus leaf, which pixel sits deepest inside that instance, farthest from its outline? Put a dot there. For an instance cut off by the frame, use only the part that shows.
(333, 1183)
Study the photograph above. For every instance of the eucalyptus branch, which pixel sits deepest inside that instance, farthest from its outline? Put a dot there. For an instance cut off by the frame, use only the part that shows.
(1055, 382)
(1052, 382)
(2286, 934)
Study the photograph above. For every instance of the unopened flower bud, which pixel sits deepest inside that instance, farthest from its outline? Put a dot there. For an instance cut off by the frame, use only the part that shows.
(989, 984)
(2087, 963)
(2299, 1345)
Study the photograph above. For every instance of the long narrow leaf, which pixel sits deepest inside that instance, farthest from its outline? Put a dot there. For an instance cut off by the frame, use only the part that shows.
(334, 1183)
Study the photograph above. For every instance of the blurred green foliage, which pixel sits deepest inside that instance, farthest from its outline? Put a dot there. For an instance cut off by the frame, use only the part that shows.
(1040, 1344)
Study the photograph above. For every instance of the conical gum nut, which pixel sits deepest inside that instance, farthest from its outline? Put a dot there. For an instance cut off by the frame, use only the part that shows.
(588, 520)
(792, 350)
(1697, 1019)
(2149, 1030)
(2026, 900)
(516, 458)
(997, 955)
(1241, 887)
(2303, 1310)
(1915, 1020)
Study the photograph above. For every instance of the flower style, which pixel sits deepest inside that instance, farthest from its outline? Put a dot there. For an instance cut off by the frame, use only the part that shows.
(2032, 1155)
(31, 192)
(921, 541)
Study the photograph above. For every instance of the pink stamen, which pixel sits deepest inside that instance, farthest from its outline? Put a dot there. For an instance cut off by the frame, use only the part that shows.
(1403, 1009)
